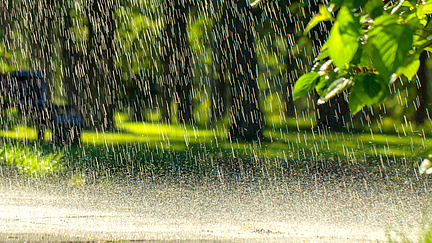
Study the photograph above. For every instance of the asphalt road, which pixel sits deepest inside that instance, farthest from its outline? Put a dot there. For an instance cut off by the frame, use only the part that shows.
(290, 211)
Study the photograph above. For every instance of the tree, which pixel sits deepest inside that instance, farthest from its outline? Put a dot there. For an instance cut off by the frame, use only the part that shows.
(220, 95)
(71, 57)
(238, 34)
(422, 91)
(7, 17)
(284, 23)
(177, 78)
(371, 44)
(88, 60)
(139, 29)
(41, 17)
(101, 51)
(7, 22)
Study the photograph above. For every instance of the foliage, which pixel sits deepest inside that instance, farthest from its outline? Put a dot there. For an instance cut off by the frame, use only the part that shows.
(150, 149)
(371, 44)
(138, 33)
(30, 161)
(5, 56)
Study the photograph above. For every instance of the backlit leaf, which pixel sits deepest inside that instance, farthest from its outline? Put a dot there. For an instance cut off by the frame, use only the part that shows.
(324, 15)
(324, 52)
(390, 46)
(410, 67)
(425, 8)
(344, 38)
(370, 88)
(355, 103)
(305, 84)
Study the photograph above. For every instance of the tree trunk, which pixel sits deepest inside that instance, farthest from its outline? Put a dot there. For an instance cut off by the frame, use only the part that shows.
(71, 61)
(100, 76)
(177, 60)
(219, 99)
(245, 114)
(165, 103)
(184, 85)
(288, 29)
(7, 18)
(220, 95)
(333, 115)
(41, 36)
(166, 82)
(422, 91)
(287, 90)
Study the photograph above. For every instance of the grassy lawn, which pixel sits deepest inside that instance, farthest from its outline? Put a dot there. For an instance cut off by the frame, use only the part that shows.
(155, 149)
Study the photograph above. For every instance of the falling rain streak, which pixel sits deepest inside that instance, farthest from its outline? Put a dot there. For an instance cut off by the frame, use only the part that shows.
(165, 114)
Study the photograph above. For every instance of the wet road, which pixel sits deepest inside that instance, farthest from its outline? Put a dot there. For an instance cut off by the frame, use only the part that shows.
(292, 210)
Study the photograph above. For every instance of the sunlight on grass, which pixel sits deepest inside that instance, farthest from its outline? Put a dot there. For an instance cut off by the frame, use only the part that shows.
(164, 144)
(20, 132)
(144, 132)
(300, 145)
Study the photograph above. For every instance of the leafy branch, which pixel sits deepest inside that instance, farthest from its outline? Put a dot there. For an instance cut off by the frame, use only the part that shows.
(370, 45)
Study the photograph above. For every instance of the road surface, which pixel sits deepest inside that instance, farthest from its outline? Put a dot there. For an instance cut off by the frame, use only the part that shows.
(293, 210)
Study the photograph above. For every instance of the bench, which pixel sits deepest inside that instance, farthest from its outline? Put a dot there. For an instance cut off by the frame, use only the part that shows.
(26, 91)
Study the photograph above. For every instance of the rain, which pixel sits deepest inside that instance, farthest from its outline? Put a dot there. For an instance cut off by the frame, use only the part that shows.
(176, 120)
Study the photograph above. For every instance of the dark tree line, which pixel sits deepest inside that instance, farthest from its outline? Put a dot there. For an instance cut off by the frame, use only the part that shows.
(91, 79)
(236, 63)
(89, 73)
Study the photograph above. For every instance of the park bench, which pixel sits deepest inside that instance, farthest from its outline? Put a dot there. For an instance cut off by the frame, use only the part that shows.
(26, 91)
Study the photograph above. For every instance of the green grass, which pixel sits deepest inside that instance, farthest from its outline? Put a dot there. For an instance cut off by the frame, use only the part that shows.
(31, 160)
(155, 149)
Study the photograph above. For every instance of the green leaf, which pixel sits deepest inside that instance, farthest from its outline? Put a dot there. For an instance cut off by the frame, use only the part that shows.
(8, 55)
(425, 8)
(344, 37)
(410, 67)
(374, 8)
(337, 4)
(324, 53)
(354, 4)
(322, 84)
(4, 68)
(355, 103)
(390, 46)
(305, 84)
(324, 15)
(362, 58)
(422, 13)
(370, 88)
(324, 81)
(419, 40)
(384, 20)
(415, 21)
